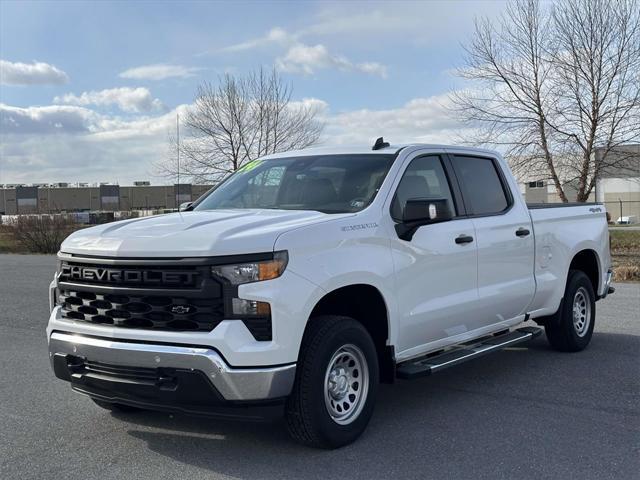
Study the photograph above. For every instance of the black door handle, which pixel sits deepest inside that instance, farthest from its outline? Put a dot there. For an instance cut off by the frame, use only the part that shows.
(522, 232)
(464, 239)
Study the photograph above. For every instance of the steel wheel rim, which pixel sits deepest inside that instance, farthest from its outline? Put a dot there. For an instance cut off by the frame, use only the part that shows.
(346, 384)
(581, 312)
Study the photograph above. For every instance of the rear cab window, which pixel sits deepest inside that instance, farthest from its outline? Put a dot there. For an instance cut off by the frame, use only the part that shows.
(483, 187)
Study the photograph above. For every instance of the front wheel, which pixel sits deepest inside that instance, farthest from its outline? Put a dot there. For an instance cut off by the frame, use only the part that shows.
(336, 383)
(570, 330)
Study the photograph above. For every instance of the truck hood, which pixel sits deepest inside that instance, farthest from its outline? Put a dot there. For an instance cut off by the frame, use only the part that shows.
(192, 234)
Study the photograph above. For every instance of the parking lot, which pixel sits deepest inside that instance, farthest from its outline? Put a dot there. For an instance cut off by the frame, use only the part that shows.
(525, 412)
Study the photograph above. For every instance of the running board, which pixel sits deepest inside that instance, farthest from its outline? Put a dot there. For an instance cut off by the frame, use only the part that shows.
(424, 366)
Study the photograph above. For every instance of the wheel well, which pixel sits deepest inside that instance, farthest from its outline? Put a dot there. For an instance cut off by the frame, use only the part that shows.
(587, 262)
(365, 304)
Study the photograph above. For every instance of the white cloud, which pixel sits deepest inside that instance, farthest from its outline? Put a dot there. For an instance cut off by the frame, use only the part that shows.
(418, 23)
(319, 106)
(426, 120)
(126, 98)
(69, 119)
(47, 119)
(276, 35)
(301, 57)
(36, 73)
(73, 143)
(373, 68)
(159, 71)
(306, 59)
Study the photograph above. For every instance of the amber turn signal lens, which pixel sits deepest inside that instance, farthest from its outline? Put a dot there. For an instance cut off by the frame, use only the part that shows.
(263, 308)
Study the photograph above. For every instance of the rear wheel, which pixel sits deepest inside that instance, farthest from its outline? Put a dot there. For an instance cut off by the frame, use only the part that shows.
(336, 383)
(116, 407)
(570, 330)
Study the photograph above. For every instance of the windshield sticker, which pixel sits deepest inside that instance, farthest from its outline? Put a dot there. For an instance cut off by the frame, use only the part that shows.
(250, 166)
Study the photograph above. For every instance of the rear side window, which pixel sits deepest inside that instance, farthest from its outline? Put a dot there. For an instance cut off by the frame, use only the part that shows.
(483, 189)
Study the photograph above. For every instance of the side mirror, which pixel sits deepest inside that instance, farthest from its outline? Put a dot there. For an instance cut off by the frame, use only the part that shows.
(185, 206)
(419, 211)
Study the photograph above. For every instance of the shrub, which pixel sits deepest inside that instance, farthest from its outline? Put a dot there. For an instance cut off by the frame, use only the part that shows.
(42, 233)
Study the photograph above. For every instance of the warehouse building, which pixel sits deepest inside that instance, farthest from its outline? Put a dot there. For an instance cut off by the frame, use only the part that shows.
(65, 198)
(618, 188)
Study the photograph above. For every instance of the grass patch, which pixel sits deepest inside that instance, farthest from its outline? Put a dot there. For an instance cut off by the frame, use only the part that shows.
(625, 241)
(8, 243)
(625, 253)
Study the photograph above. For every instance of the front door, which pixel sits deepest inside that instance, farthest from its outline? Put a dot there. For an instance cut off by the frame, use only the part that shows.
(436, 272)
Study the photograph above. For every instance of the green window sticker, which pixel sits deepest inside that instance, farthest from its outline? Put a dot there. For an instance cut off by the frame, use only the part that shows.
(250, 166)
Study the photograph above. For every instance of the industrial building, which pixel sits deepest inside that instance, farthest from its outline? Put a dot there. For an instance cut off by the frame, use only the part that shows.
(618, 189)
(66, 198)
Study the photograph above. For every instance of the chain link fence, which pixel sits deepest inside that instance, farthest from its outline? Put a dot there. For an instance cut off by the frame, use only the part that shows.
(623, 212)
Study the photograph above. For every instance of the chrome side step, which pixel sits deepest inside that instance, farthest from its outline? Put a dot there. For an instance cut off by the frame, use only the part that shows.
(424, 366)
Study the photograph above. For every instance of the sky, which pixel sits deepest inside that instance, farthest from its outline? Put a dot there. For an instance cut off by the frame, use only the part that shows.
(89, 91)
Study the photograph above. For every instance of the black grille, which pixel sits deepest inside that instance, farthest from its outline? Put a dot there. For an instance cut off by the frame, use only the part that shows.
(150, 294)
(118, 371)
(163, 378)
(159, 312)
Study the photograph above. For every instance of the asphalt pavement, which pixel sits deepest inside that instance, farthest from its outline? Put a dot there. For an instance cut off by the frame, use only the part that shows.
(522, 413)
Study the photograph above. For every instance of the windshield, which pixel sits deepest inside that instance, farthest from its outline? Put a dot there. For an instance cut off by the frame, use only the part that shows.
(326, 183)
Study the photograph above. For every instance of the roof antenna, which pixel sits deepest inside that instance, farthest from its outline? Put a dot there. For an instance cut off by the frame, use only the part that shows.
(380, 143)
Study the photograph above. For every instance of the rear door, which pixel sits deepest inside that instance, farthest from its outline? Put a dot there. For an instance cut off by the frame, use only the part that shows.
(504, 239)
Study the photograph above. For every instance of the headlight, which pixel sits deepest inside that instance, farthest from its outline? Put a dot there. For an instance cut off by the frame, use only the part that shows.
(253, 271)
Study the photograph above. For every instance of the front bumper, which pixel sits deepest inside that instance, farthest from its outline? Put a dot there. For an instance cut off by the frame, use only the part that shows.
(146, 374)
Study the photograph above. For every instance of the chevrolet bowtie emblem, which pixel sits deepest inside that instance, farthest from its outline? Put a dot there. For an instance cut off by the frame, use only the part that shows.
(180, 309)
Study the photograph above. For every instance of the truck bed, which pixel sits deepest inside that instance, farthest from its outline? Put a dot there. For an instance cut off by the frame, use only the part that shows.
(560, 233)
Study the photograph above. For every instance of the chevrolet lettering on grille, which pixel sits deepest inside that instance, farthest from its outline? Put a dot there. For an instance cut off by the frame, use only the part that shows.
(123, 276)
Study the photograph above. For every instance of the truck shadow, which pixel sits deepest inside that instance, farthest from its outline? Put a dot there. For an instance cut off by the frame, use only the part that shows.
(505, 416)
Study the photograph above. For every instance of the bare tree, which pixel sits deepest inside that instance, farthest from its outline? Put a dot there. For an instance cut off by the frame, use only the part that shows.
(550, 86)
(597, 63)
(237, 121)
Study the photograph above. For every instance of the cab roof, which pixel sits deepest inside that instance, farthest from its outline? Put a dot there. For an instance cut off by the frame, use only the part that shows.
(367, 149)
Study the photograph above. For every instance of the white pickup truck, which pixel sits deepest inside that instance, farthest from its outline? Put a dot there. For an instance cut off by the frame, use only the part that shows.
(306, 278)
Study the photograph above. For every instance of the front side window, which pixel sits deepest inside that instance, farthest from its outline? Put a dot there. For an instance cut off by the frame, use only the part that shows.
(424, 179)
(325, 183)
(482, 186)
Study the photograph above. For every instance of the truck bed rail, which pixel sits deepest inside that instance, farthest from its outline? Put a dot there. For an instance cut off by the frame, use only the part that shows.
(535, 206)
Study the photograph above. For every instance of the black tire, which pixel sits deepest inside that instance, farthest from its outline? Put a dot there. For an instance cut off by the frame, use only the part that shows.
(563, 334)
(307, 412)
(116, 407)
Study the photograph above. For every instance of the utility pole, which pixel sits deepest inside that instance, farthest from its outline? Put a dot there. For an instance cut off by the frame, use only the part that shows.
(620, 200)
(177, 192)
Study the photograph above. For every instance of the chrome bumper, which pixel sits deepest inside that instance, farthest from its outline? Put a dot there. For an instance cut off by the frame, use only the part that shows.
(236, 384)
